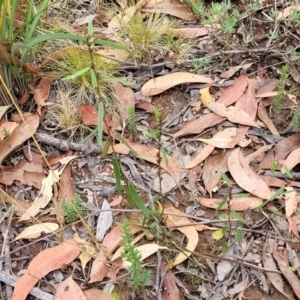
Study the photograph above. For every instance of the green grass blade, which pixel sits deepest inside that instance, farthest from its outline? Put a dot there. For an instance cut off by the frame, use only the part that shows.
(77, 74)
(12, 20)
(226, 179)
(137, 200)
(117, 172)
(126, 144)
(277, 193)
(238, 216)
(62, 36)
(221, 204)
(94, 79)
(34, 22)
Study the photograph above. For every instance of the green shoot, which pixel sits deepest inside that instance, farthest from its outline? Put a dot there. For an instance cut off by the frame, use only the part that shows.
(73, 209)
(138, 274)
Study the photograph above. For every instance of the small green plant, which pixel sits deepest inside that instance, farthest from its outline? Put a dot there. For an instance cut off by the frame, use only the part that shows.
(277, 106)
(201, 63)
(228, 229)
(296, 119)
(138, 274)
(73, 209)
(131, 120)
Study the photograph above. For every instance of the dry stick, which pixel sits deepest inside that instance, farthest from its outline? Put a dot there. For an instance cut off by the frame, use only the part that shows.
(157, 283)
(12, 281)
(66, 145)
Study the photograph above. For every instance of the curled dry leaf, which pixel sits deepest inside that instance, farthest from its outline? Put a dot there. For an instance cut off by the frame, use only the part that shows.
(269, 263)
(46, 261)
(174, 8)
(190, 233)
(19, 136)
(280, 151)
(173, 166)
(36, 230)
(203, 154)
(41, 92)
(263, 116)
(291, 161)
(234, 92)
(238, 204)
(160, 84)
(214, 166)
(245, 177)
(46, 192)
(231, 113)
(222, 139)
(198, 125)
(69, 289)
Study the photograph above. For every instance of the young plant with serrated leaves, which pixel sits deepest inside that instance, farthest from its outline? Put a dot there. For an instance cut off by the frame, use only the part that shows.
(277, 105)
(73, 209)
(227, 231)
(139, 275)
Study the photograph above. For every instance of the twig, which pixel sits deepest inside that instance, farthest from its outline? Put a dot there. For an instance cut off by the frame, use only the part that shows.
(157, 281)
(278, 174)
(66, 145)
(12, 280)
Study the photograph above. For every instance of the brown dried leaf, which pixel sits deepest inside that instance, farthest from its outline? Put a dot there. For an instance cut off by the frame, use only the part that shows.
(203, 154)
(234, 92)
(173, 167)
(263, 115)
(231, 113)
(41, 92)
(222, 139)
(160, 84)
(245, 177)
(27, 173)
(280, 151)
(125, 99)
(95, 294)
(232, 70)
(285, 270)
(69, 289)
(287, 11)
(110, 242)
(6, 129)
(247, 102)
(238, 204)
(189, 32)
(125, 16)
(291, 161)
(19, 136)
(269, 263)
(46, 261)
(198, 125)
(174, 8)
(190, 233)
(171, 291)
(46, 192)
(66, 188)
(214, 166)
(205, 96)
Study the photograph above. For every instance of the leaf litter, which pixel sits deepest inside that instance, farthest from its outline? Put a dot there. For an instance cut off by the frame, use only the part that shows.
(227, 183)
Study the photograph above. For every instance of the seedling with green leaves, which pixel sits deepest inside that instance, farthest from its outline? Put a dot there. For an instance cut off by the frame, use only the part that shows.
(73, 209)
(227, 230)
(139, 275)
